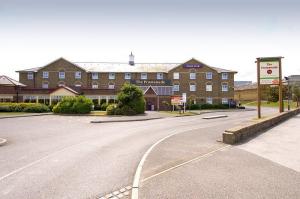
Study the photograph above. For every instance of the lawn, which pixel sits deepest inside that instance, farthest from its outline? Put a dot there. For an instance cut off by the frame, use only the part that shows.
(97, 113)
(3, 114)
(270, 104)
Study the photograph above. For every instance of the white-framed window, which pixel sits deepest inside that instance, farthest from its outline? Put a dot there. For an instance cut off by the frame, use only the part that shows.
(175, 75)
(159, 76)
(111, 76)
(192, 87)
(111, 86)
(176, 87)
(30, 75)
(95, 76)
(208, 87)
(143, 75)
(224, 87)
(224, 100)
(45, 74)
(209, 75)
(192, 75)
(61, 75)
(77, 75)
(95, 85)
(127, 76)
(224, 75)
(45, 85)
(209, 100)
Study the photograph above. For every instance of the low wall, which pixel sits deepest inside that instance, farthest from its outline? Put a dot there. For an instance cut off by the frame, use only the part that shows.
(236, 134)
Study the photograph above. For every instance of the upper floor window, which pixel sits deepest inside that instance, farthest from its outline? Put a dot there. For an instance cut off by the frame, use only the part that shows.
(127, 76)
(143, 75)
(45, 85)
(77, 75)
(45, 74)
(192, 75)
(175, 75)
(95, 76)
(111, 86)
(176, 87)
(209, 75)
(208, 87)
(224, 75)
(224, 100)
(30, 75)
(209, 100)
(192, 87)
(111, 76)
(224, 87)
(159, 76)
(61, 75)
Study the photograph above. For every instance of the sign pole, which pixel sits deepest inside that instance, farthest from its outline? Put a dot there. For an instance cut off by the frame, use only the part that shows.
(258, 89)
(280, 89)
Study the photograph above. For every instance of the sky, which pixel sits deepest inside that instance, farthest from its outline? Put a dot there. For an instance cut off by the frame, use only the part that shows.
(227, 34)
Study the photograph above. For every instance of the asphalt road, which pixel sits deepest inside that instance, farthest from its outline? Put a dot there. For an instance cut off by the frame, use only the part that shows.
(68, 157)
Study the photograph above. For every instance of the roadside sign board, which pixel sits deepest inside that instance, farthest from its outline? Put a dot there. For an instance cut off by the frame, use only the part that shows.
(184, 97)
(269, 72)
(176, 100)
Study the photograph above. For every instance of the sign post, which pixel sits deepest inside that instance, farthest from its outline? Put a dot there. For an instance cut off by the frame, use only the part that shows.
(269, 72)
(184, 101)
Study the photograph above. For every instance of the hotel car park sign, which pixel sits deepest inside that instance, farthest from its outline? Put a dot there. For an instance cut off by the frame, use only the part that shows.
(269, 72)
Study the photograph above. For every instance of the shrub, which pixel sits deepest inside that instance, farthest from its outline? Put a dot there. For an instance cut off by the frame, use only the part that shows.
(111, 109)
(37, 108)
(127, 110)
(97, 107)
(194, 106)
(74, 105)
(23, 107)
(214, 106)
(104, 106)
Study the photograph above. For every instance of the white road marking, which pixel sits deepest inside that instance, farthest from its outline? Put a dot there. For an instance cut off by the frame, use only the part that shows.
(37, 161)
(209, 154)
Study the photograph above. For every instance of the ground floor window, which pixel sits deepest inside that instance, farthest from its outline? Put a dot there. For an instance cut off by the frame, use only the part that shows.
(224, 101)
(209, 100)
(6, 98)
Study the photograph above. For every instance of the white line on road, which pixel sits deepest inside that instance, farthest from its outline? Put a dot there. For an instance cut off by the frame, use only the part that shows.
(37, 161)
(209, 154)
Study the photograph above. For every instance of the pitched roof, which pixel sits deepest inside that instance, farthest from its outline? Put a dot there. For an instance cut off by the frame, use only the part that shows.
(7, 81)
(126, 67)
(67, 88)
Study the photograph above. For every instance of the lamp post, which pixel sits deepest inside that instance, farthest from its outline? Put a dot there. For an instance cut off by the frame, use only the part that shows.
(287, 80)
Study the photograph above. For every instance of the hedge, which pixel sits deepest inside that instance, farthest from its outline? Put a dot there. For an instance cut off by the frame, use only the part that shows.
(74, 105)
(24, 107)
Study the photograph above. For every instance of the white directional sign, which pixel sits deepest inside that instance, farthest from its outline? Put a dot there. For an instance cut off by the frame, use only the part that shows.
(184, 97)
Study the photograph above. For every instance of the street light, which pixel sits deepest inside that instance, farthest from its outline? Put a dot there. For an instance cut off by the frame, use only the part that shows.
(287, 80)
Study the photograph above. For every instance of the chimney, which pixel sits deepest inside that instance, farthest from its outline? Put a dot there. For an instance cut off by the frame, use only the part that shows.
(131, 59)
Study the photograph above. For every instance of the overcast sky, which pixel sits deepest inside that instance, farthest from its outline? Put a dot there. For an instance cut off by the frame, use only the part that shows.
(226, 34)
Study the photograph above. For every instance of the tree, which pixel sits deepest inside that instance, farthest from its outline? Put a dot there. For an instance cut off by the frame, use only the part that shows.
(296, 94)
(131, 101)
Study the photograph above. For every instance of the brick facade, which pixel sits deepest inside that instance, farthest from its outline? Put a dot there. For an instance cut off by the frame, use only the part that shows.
(101, 85)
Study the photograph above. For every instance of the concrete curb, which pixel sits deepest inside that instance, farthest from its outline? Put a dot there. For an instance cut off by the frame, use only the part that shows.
(2, 141)
(239, 133)
(126, 120)
(214, 117)
(29, 115)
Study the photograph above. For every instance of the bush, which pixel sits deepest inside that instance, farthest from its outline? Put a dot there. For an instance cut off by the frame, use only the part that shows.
(97, 107)
(131, 100)
(194, 106)
(104, 106)
(74, 105)
(111, 109)
(23, 107)
(214, 106)
(37, 108)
